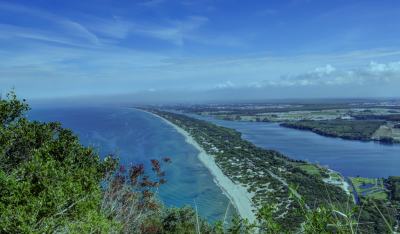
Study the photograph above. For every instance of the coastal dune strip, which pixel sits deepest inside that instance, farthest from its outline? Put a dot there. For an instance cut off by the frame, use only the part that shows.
(239, 195)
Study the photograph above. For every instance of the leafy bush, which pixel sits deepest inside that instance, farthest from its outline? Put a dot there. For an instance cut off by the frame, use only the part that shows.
(47, 180)
(50, 183)
(186, 220)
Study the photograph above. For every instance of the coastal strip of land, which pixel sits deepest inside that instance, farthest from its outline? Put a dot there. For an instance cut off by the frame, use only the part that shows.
(267, 174)
(235, 191)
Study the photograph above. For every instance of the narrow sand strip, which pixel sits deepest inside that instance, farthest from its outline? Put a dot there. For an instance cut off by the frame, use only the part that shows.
(239, 195)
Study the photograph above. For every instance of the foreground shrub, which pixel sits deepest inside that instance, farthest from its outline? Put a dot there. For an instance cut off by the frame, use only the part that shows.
(48, 181)
(128, 198)
(185, 220)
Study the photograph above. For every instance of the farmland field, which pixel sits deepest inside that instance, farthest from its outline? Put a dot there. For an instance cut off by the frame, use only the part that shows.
(385, 131)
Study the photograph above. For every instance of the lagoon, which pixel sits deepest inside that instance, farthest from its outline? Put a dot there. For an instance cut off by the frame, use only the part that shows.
(141, 137)
(370, 159)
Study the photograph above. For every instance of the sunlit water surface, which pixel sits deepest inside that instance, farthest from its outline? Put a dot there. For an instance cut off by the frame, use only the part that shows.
(141, 137)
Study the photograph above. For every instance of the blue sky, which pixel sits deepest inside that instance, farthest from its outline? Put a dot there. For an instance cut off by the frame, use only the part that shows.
(184, 50)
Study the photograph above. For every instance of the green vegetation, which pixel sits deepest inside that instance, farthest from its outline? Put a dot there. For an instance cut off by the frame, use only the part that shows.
(309, 167)
(319, 106)
(393, 184)
(380, 195)
(377, 191)
(218, 117)
(358, 181)
(323, 113)
(376, 215)
(354, 130)
(258, 168)
(315, 170)
(49, 183)
(335, 176)
(313, 108)
(385, 117)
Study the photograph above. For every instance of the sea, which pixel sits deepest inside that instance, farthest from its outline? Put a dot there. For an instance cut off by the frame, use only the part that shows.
(140, 136)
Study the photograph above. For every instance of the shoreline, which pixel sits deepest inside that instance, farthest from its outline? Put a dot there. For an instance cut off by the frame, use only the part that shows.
(237, 194)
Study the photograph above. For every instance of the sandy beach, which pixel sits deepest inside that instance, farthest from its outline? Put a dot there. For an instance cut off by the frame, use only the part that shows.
(236, 192)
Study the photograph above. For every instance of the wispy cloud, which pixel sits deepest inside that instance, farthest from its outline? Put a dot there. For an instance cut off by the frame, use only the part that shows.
(175, 31)
(225, 85)
(22, 9)
(114, 28)
(13, 32)
(92, 51)
(256, 85)
(78, 30)
(65, 30)
(371, 74)
(75, 34)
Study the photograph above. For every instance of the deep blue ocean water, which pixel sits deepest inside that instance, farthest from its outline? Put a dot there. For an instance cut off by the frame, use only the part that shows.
(140, 137)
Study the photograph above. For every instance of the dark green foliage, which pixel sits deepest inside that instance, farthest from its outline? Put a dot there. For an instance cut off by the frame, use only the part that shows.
(353, 130)
(376, 216)
(385, 117)
(184, 220)
(227, 118)
(306, 105)
(323, 174)
(47, 180)
(387, 139)
(12, 109)
(261, 160)
(393, 184)
(50, 183)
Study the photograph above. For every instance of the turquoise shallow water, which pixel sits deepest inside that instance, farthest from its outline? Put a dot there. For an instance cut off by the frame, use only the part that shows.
(141, 137)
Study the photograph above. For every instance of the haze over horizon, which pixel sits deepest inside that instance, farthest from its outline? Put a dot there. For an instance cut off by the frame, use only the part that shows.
(159, 51)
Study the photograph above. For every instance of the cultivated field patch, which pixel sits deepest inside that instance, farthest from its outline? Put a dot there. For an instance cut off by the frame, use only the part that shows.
(386, 131)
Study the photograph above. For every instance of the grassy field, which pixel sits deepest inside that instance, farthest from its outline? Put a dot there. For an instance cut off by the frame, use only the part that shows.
(357, 181)
(311, 169)
(323, 113)
(335, 176)
(385, 131)
(380, 195)
(218, 117)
